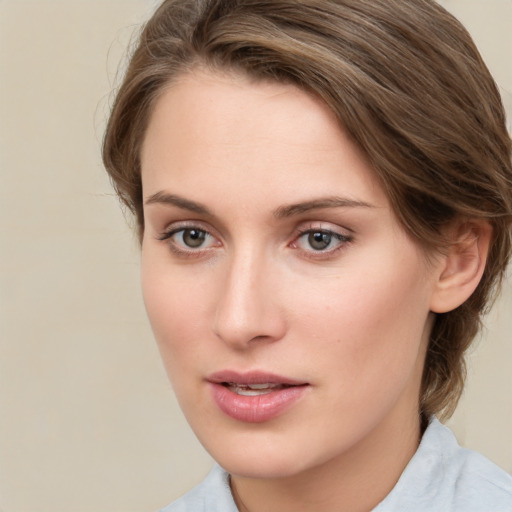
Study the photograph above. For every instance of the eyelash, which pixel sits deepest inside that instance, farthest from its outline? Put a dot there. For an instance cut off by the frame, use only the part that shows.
(342, 239)
(181, 250)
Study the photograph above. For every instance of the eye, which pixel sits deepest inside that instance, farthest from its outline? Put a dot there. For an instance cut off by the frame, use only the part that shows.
(192, 238)
(320, 241)
(183, 240)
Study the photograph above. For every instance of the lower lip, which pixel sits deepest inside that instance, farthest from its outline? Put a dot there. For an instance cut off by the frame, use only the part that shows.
(255, 409)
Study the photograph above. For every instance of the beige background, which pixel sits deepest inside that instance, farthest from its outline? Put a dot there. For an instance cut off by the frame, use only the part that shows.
(88, 422)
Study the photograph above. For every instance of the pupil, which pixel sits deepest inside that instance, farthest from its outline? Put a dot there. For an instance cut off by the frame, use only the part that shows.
(319, 240)
(193, 237)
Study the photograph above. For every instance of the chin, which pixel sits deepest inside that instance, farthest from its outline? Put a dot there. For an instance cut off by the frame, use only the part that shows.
(264, 468)
(268, 454)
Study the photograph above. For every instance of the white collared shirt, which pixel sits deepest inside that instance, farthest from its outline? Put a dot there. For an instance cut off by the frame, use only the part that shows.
(441, 477)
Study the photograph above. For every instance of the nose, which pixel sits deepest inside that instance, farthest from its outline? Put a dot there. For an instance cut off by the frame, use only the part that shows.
(248, 308)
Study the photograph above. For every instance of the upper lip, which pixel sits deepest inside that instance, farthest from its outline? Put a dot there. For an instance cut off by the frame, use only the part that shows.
(252, 377)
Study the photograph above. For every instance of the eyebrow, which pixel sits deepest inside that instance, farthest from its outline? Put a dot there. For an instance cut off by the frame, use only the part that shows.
(180, 202)
(318, 204)
(281, 212)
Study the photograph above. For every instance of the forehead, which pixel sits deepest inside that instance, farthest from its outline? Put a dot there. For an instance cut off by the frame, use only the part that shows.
(210, 128)
(258, 109)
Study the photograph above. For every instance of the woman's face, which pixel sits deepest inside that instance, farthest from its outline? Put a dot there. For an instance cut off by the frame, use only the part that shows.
(290, 307)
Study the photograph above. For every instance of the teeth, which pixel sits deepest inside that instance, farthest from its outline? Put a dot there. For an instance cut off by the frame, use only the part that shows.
(253, 389)
(261, 386)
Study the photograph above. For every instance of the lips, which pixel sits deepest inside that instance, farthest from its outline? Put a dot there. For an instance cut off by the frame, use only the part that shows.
(254, 389)
(254, 397)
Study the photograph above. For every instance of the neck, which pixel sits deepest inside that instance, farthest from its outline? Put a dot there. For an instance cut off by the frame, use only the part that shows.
(357, 481)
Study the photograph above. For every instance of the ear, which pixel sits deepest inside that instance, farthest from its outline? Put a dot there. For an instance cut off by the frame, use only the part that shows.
(461, 267)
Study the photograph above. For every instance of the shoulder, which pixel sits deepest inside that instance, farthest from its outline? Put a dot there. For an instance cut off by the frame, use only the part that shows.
(213, 494)
(444, 476)
(478, 484)
(469, 472)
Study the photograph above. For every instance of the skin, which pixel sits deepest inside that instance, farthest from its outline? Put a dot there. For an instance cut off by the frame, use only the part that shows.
(227, 156)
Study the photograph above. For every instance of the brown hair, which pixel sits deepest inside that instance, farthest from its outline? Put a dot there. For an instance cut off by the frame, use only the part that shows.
(405, 80)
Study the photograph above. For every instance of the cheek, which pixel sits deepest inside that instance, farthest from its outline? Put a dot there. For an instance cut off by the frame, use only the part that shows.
(177, 311)
(371, 322)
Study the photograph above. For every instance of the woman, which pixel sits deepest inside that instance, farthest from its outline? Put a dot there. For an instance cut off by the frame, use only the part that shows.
(323, 192)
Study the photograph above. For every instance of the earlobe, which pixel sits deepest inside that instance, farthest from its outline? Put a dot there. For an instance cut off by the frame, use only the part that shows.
(461, 267)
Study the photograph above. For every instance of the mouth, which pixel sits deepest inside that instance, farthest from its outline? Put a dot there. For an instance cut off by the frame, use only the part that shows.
(255, 397)
(254, 389)
(255, 382)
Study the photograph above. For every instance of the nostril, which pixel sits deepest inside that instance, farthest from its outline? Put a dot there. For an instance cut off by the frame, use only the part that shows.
(260, 337)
